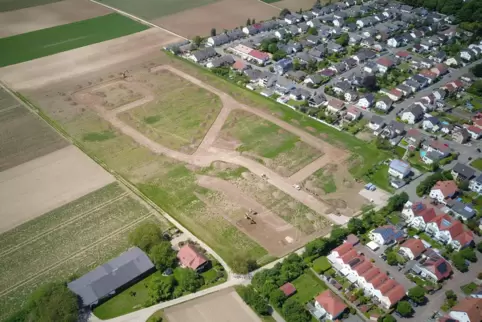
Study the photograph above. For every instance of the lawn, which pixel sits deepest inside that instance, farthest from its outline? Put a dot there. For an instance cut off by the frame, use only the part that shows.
(324, 180)
(308, 286)
(10, 5)
(364, 156)
(431, 241)
(380, 178)
(180, 115)
(321, 265)
(45, 42)
(394, 218)
(469, 288)
(477, 164)
(151, 9)
(400, 151)
(267, 143)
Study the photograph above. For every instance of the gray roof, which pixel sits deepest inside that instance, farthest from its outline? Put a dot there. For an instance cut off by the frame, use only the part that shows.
(117, 272)
(478, 179)
(204, 53)
(376, 119)
(416, 110)
(223, 60)
(464, 170)
(463, 210)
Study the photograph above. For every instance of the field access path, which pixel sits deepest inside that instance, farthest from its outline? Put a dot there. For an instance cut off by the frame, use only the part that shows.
(206, 154)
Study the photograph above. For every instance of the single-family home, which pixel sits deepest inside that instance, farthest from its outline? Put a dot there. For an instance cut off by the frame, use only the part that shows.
(386, 235)
(467, 54)
(384, 64)
(341, 87)
(352, 113)
(335, 105)
(371, 67)
(413, 114)
(412, 84)
(394, 94)
(392, 130)
(414, 137)
(284, 86)
(446, 128)
(448, 230)
(218, 40)
(226, 60)
(405, 89)
(399, 169)
(404, 55)
(366, 101)
(437, 146)
(384, 104)
(316, 100)
(433, 266)
(313, 79)
(429, 75)
(475, 184)
(330, 306)
(190, 257)
(350, 96)
(299, 94)
(412, 248)
(203, 54)
(475, 132)
(431, 124)
(444, 190)
(421, 80)
(461, 135)
(462, 172)
(467, 310)
(418, 214)
(288, 289)
(462, 211)
(283, 65)
(376, 123)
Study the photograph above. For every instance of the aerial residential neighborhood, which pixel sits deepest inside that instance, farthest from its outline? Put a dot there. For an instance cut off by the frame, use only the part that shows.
(241, 161)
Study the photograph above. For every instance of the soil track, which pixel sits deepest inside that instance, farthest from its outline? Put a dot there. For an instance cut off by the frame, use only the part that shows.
(207, 154)
(49, 15)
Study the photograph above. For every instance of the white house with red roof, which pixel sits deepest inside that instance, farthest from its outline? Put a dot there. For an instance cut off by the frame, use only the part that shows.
(450, 231)
(190, 257)
(474, 131)
(444, 190)
(329, 306)
(417, 215)
(412, 248)
(384, 64)
(433, 266)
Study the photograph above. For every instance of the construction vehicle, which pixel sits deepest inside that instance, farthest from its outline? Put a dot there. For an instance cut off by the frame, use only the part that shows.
(248, 217)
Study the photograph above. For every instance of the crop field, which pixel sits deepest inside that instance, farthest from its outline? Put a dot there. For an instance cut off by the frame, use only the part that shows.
(10, 5)
(23, 136)
(266, 142)
(66, 241)
(45, 42)
(179, 116)
(294, 5)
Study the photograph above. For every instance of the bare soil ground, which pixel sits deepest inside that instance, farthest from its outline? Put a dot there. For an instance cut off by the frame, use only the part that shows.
(45, 183)
(23, 136)
(225, 305)
(226, 14)
(86, 60)
(49, 15)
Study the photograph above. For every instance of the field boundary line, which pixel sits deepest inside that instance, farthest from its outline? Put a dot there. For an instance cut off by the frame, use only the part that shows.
(145, 22)
(81, 251)
(66, 223)
(271, 5)
(9, 108)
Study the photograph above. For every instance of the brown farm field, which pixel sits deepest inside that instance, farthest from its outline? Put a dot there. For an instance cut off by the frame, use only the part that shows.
(225, 14)
(67, 241)
(48, 15)
(295, 5)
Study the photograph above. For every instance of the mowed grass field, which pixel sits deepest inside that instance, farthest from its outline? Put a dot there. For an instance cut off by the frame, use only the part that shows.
(151, 9)
(45, 42)
(23, 136)
(67, 242)
(9, 5)
(268, 143)
(179, 116)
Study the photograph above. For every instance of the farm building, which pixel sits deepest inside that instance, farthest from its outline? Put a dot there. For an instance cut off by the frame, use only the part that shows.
(116, 274)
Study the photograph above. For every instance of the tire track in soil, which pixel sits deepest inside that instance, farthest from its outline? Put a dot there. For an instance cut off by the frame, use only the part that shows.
(81, 251)
(68, 222)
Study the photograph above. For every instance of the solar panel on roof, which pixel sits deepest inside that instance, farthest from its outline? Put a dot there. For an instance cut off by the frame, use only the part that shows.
(442, 267)
(446, 223)
(467, 208)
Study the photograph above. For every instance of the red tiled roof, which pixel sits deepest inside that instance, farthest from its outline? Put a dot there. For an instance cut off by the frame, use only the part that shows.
(396, 92)
(258, 54)
(288, 289)
(384, 61)
(428, 74)
(458, 83)
(445, 222)
(442, 67)
(474, 129)
(387, 286)
(415, 245)
(478, 122)
(439, 145)
(435, 264)
(378, 280)
(448, 188)
(352, 239)
(343, 249)
(371, 273)
(396, 294)
(414, 133)
(353, 110)
(336, 103)
(349, 256)
(239, 64)
(363, 267)
(428, 214)
(471, 306)
(465, 237)
(450, 87)
(403, 53)
(190, 257)
(331, 303)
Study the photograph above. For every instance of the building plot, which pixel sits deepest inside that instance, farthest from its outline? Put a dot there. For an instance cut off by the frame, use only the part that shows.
(47, 16)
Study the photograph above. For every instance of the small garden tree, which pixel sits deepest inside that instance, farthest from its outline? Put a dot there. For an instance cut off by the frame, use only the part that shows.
(417, 294)
(404, 308)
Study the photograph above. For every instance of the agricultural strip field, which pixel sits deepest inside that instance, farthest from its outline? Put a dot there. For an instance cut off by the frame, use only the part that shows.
(225, 305)
(23, 136)
(45, 42)
(225, 14)
(67, 236)
(266, 142)
(10, 5)
(47, 16)
(179, 116)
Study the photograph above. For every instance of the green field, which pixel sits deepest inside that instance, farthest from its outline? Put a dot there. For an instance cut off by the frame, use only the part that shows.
(67, 241)
(9, 5)
(45, 42)
(477, 164)
(180, 115)
(324, 180)
(151, 9)
(266, 142)
(308, 286)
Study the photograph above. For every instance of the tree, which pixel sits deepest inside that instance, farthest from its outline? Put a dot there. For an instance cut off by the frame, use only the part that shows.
(479, 246)
(163, 256)
(277, 297)
(370, 83)
(338, 234)
(459, 262)
(279, 55)
(160, 289)
(253, 299)
(248, 22)
(213, 32)
(450, 295)
(189, 280)
(477, 70)
(355, 226)
(312, 31)
(404, 308)
(272, 48)
(392, 259)
(417, 294)
(476, 88)
(316, 247)
(389, 318)
(146, 236)
(197, 40)
(293, 311)
(468, 253)
(396, 202)
(284, 12)
(52, 302)
(343, 39)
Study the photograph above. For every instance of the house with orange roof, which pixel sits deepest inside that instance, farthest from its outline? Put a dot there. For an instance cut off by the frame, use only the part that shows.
(393, 296)
(412, 248)
(442, 191)
(433, 266)
(190, 257)
(329, 306)
(448, 230)
(418, 214)
(467, 310)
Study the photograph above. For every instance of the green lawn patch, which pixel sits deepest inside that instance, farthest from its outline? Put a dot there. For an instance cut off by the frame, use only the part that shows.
(468, 288)
(381, 179)
(308, 286)
(45, 42)
(324, 181)
(321, 265)
(431, 241)
(394, 218)
(98, 136)
(400, 151)
(477, 164)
